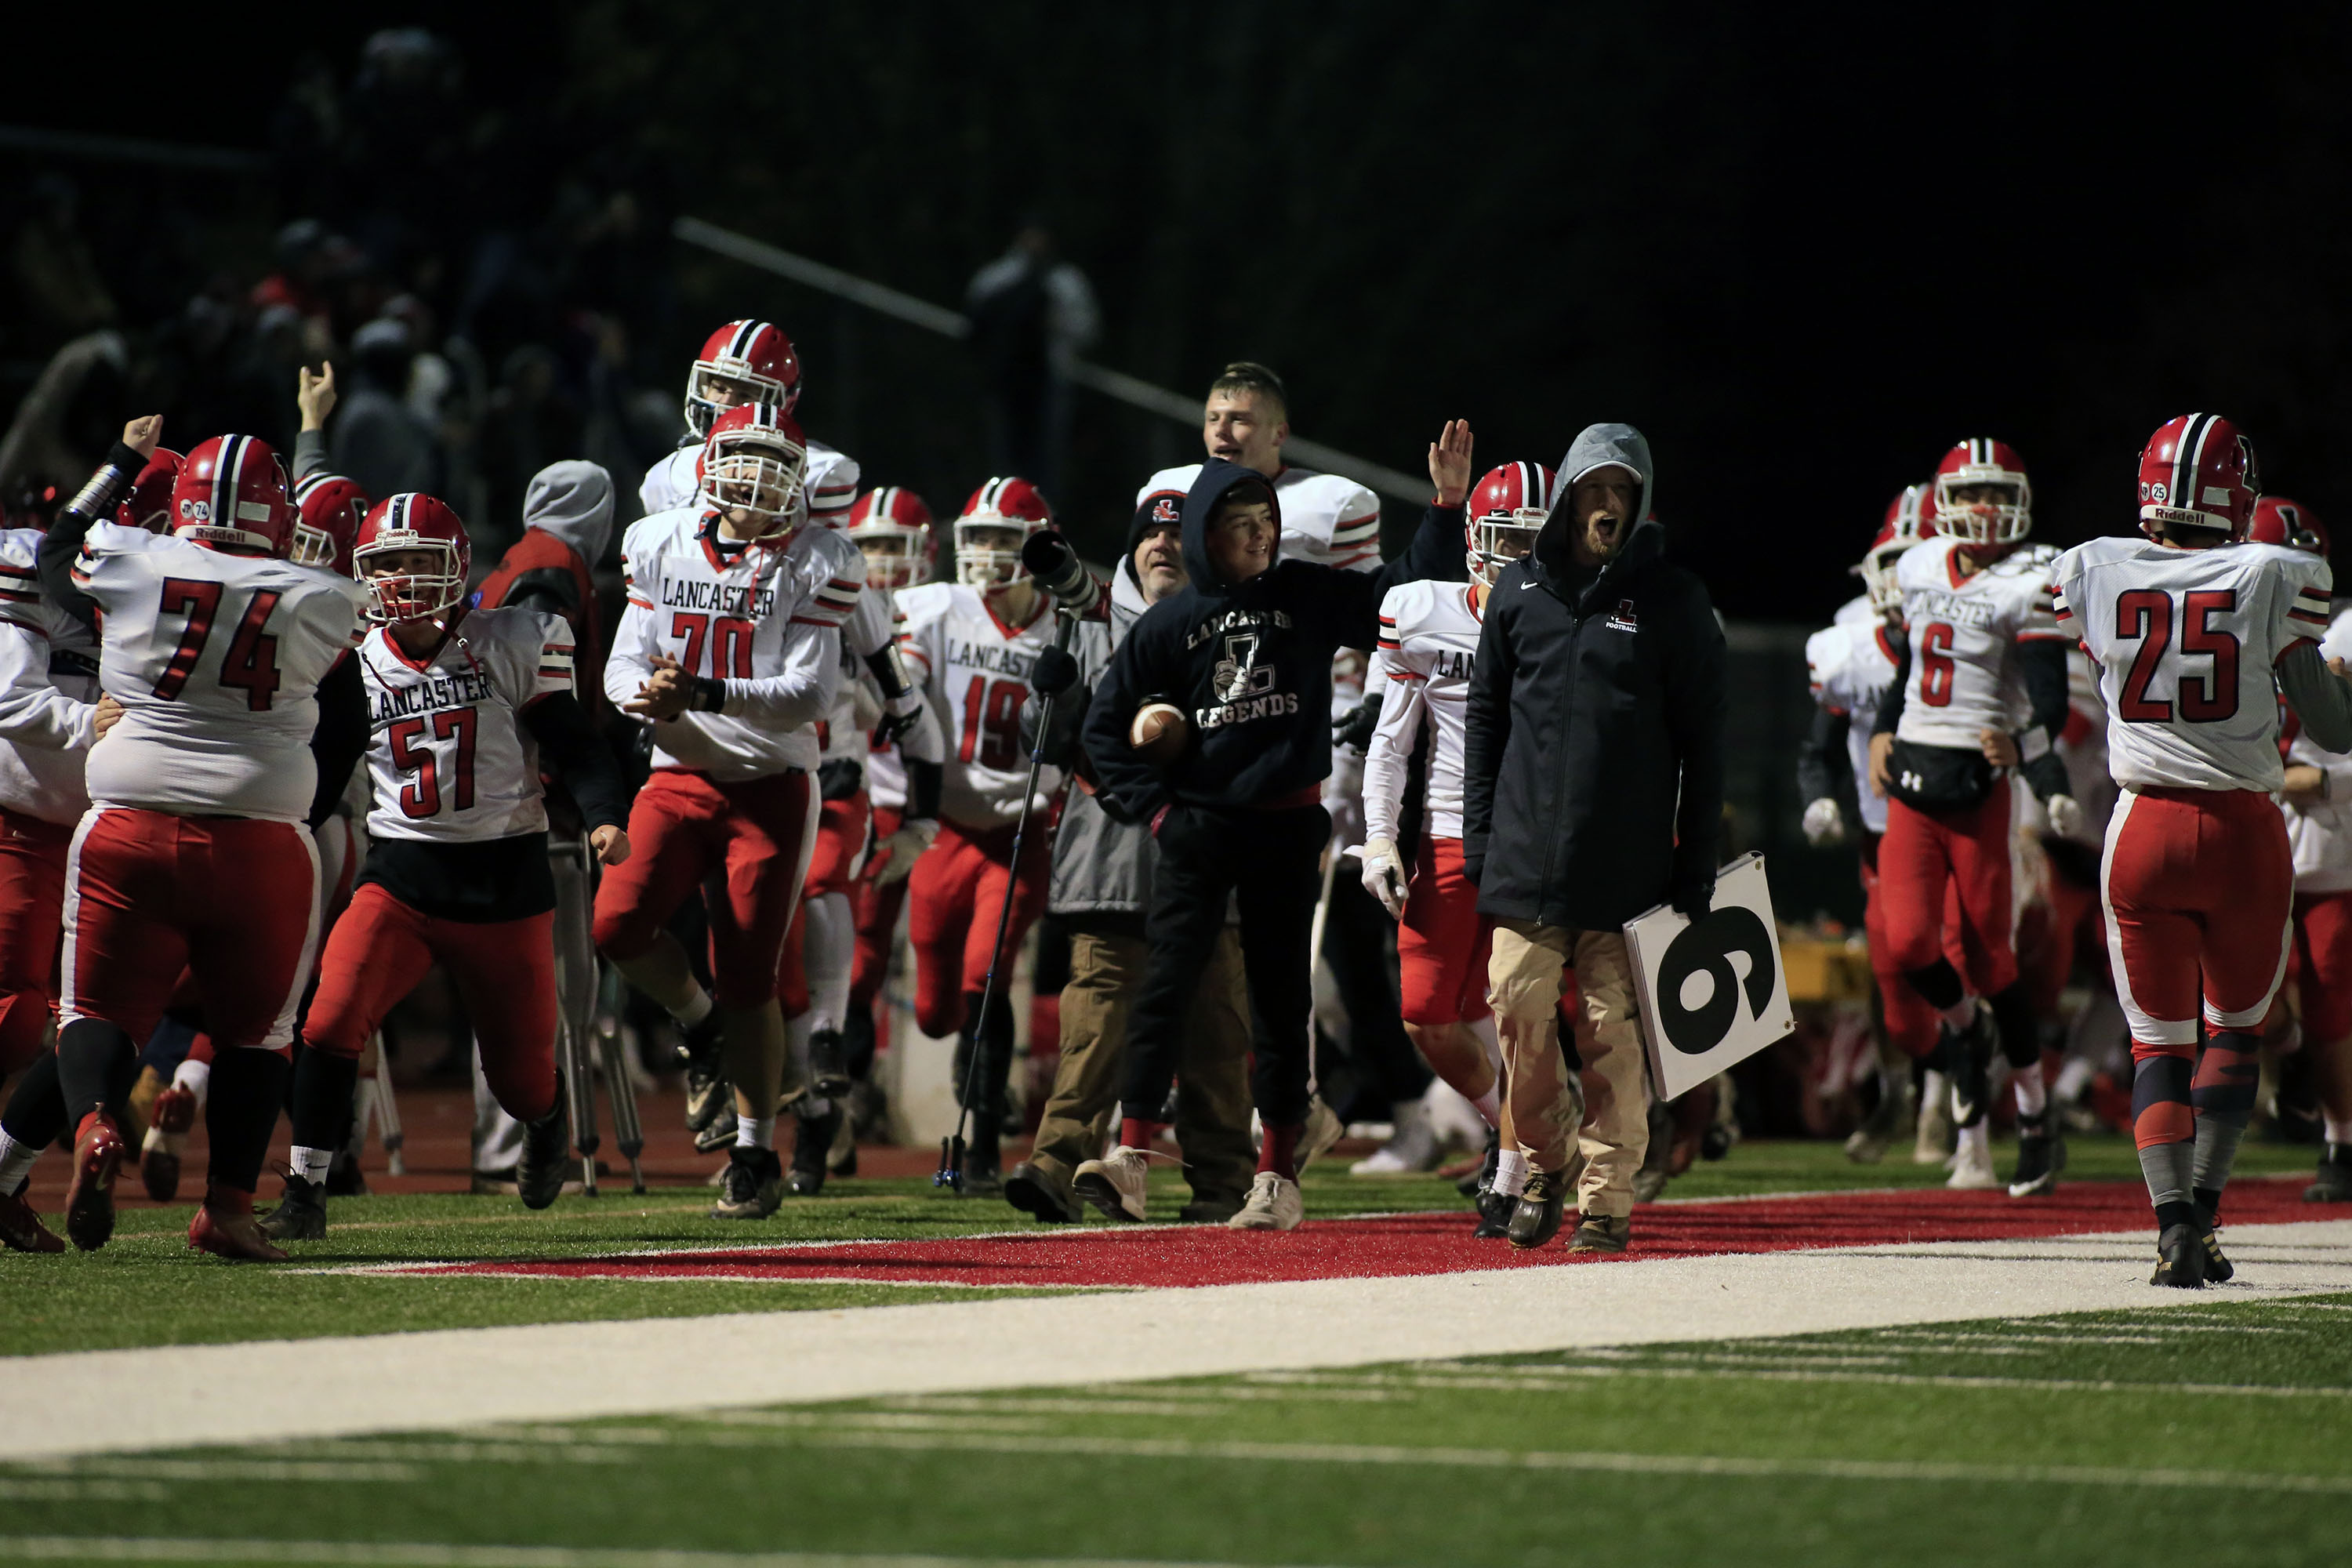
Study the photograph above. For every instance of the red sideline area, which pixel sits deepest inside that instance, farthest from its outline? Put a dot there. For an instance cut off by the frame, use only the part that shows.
(1168, 1257)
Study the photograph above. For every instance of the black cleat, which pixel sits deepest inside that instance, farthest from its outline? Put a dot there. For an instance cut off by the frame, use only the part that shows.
(2219, 1269)
(1035, 1193)
(1482, 1180)
(829, 1063)
(1968, 1061)
(1535, 1219)
(2181, 1256)
(706, 1083)
(546, 1153)
(752, 1186)
(1495, 1210)
(812, 1141)
(2334, 1182)
(300, 1214)
(2040, 1155)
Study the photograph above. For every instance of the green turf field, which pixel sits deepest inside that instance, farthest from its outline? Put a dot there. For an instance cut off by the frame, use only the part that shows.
(146, 1287)
(2217, 1432)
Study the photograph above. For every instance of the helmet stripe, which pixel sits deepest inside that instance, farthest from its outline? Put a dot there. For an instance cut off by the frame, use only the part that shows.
(227, 470)
(2186, 452)
(739, 346)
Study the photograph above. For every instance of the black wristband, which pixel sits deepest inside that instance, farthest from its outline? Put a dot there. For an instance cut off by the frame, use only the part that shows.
(710, 694)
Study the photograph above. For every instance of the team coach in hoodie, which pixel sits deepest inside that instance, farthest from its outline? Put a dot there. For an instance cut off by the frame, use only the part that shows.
(1244, 648)
(1592, 790)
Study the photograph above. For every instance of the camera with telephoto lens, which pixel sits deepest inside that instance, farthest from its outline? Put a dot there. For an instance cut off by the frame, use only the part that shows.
(1057, 569)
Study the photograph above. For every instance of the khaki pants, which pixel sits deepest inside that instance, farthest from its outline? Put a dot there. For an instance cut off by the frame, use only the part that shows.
(1212, 1093)
(1524, 988)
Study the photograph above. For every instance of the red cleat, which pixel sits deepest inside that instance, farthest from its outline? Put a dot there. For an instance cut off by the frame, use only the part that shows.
(224, 1226)
(21, 1229)
(167, 1132)
(90, 1201)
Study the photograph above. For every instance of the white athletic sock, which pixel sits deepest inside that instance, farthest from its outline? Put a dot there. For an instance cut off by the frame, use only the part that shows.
(2339, 1130)
(755, 1134)
(310, 1164)
(1489, 1106)
(193, 1076)
(17, 1161)
(1978, 1138)
(829, 958)
(2032, 1097)
(697, 1008)
(2073, 1078)
(1961, 1013)
(1511, 1172)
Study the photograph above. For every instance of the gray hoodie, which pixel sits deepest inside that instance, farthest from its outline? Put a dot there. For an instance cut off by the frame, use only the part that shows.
(572, 500)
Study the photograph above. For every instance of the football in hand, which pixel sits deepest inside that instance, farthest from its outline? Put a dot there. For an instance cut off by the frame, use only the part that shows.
(1160, 732)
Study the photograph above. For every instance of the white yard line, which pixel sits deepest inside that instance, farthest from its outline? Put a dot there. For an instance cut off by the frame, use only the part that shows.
(273, 1390)
(432, 1555)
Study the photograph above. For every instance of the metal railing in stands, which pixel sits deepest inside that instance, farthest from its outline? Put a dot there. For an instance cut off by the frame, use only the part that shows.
(1116, 384)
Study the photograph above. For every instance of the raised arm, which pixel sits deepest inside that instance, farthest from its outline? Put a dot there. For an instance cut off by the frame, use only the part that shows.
(95, 503)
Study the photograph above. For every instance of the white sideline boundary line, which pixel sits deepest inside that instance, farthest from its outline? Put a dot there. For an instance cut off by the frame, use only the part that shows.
(434, 1555)
(271, 1391)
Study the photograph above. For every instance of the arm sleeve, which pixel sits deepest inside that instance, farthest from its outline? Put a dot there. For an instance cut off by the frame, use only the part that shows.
(1818, 758)
(33, 713)
(309, 454)
(1133, 783)
(1890, 711)
(341, 736)
(62, 543)
(2322, 701)
(629, 664)
(867, 631)
(802, 692)
(926, 742)
(1486, 726)
(2041, 662)
(1696, 707)
(1389, 756)
(569, 741)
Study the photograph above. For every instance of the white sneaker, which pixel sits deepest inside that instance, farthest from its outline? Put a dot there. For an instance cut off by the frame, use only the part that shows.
(1323, 1129)
(1114, 1185)
(1412, 1147)
(1935, 1137)
(1972, 1163)
(1274, 1204)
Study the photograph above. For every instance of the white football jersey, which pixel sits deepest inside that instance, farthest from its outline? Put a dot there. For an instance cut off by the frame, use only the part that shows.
(1964, 632)
(765, 620)
(1325, 519)
(2186, 642)
(828, 488)
(2320, 835)
(1429, 641)
(448, 753)
(1851, 667)
(1855, 609)
(48, 682)
(217, 660)
(975, 671)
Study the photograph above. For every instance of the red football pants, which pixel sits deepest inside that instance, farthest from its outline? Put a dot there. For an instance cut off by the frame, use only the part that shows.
(958, 888)
(232, 900)
(1925, 854)
(2322, 965)
(1442, 943)
(2196, 879)
(504, 972)
(877, 918)
(32, 894)
(1912, 1026)
(752, 839)
(840, 838)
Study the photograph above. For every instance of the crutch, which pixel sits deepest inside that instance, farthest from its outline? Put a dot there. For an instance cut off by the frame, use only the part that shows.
(950, 1172)
(388, 1109)
(578, 982)
(628, 1131)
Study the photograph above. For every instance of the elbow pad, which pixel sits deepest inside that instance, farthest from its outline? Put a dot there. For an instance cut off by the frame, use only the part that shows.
(890, 671)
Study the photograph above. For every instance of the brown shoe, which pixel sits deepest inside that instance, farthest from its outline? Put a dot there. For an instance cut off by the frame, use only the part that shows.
(225, 1227)
(90, 1201)
(21, 1229)
(1601, 1233)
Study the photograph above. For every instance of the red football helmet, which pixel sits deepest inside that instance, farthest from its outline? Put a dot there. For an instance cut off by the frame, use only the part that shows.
(1910, 518)
(2003, 516)
(2290, 523)
(2198, 472)
(1001, 508)
(327, 509)
(892, 528)
(149, 504)
(1505, 513)
(754, 461)
(230, 494)
(412, 522)
(744, 362)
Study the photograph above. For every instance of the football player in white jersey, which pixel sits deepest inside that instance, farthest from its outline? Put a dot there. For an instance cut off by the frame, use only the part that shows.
(971, 643)
(1850, 666)
(1980, 692)
(1331, 521)
(2318, 802)
(2194, 645)
(747, 361)
(194, 854)
(1429, 641)
(465, 707)
(730, 647)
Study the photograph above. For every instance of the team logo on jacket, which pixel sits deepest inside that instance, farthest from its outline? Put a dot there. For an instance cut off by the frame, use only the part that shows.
(1620, 620)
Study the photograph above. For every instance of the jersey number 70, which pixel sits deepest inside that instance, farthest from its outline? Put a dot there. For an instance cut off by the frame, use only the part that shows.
(251, 664)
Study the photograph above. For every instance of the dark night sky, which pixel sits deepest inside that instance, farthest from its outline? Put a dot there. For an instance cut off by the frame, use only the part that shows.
(1806, 250)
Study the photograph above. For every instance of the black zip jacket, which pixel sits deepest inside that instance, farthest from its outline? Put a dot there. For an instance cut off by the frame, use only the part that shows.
(1249, 663)
(1590, 713)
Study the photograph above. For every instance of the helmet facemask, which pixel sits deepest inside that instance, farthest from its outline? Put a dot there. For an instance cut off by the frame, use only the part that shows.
(988, 549)
(311, 546)
(714, 386)
(758, 475)
(414, 594)
(1500, 538)
(2001, 511)
(894, 555)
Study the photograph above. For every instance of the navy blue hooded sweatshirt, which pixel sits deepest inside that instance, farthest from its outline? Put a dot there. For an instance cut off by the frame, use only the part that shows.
(1249, 663)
